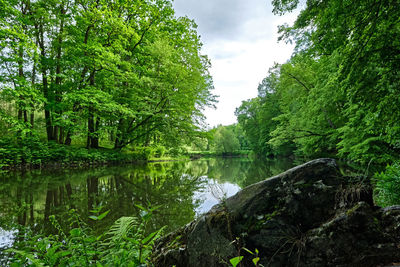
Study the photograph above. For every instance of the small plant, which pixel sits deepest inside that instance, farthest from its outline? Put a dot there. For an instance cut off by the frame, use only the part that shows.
(124, 244)
(236, 261)
(159, 151)
(388, 186)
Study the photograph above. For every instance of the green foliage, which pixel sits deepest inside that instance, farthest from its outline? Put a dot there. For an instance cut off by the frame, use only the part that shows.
(236, 260)
(255, 260)
(159, 151)
(388, 186)
(140, 152)
(30, 151)
(112, 73)
(336, 96)
(177, 151)
(124, 244)
(223, 140)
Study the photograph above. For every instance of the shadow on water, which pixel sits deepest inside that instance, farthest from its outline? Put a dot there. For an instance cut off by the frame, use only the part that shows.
(182, 190)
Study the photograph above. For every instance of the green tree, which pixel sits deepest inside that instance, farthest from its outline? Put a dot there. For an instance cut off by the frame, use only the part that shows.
(112, 72)
(310, 107)
(224, 140)
(359, 39)
(258, 117)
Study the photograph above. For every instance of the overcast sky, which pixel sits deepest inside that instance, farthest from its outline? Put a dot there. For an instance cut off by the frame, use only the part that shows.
(240, 38)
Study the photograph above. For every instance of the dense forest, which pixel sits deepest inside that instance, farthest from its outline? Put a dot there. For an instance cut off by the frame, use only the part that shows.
(96, 74)
(338, 95)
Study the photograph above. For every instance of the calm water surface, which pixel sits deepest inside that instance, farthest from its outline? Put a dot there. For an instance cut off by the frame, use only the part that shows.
(180, 190)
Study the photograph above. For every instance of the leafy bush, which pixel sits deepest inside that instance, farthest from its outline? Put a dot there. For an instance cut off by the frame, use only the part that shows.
(178, 151)
(159, 151)
(33, 151)
(124, 244)
(27, 150)
(142, 153)
(388, 186)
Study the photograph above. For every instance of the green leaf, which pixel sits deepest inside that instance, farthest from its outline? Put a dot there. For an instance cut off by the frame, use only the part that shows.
(93, 217)
(62, 254)
(140, 207)
(249, 251)
(104, 214)
(27, 255)
(75, 232)
(235, 261)
(256, 260)
(149, 237)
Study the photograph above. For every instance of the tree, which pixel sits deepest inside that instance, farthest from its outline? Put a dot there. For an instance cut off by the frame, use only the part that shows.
(359, 39)
(126, 72)
(258, 117)
(224, 140)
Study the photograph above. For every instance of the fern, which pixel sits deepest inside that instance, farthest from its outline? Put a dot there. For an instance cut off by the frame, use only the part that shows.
(124, 244)
(121, 228)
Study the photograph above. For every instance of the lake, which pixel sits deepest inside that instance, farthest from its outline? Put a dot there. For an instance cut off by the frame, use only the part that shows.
(178, 191)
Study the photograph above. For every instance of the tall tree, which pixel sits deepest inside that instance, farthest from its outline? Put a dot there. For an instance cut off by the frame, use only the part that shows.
(356, 42)
(124, 70)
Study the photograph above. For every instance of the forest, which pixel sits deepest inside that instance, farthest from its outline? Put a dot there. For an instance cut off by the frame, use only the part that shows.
(339, 93)
(97, 74)
(100, 81)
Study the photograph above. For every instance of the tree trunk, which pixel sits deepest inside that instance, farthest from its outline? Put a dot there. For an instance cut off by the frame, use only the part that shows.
(118, 135)
(55, 133)
(58, 81)
(93, 138)
(90, 128)
(45, 84)
(61, 136)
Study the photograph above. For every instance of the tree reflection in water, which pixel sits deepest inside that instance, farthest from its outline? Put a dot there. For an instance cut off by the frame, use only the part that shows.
(178, 189)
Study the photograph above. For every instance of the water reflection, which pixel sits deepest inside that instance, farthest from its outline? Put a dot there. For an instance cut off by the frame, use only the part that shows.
(214, 193)
(181, 189)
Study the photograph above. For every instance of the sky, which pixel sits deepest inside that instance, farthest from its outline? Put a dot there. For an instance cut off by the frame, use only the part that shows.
(240, 38)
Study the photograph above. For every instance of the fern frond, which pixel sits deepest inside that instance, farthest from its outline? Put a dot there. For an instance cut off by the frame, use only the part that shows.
(121, 228)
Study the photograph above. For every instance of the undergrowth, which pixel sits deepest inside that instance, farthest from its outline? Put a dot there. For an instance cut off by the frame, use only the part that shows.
(387, 186)
(124, 244)
(33, 152)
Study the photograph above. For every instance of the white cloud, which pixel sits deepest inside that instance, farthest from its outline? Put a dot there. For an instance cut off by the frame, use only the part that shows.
(240, 38)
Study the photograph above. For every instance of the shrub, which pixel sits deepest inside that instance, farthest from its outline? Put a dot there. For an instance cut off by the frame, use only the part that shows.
(124, 244)
(388, 186)
(159, 151)
(142, 153)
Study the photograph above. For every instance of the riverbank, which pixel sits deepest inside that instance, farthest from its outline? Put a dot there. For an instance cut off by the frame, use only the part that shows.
(210, 154)
(39, 155)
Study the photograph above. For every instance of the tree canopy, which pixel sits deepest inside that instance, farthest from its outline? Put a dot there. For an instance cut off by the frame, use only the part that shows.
(339, 93)
(122, 72)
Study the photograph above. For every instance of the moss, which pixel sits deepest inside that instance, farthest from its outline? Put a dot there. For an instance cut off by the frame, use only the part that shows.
(259, 222)
(269, 216)
(349, 212)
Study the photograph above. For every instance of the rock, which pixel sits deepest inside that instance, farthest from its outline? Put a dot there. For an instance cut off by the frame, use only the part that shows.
(310, 215)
